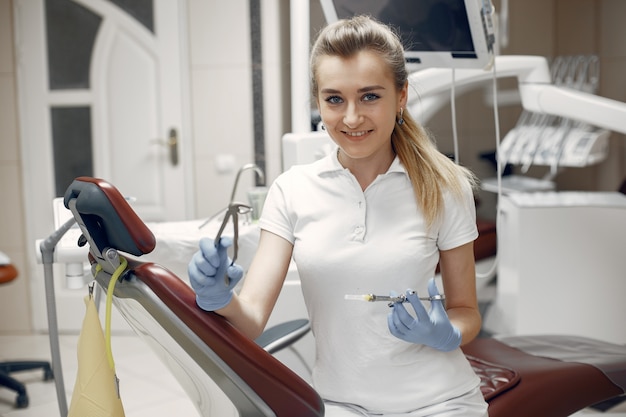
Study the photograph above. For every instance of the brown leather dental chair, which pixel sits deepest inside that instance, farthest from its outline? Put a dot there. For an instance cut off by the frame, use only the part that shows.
(548, 375)
(8, 273)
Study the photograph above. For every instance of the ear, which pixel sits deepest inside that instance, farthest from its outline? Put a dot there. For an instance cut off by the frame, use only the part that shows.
(403, 96)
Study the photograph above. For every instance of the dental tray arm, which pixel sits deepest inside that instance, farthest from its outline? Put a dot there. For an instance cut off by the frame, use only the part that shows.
(255, 382)
(430, 91)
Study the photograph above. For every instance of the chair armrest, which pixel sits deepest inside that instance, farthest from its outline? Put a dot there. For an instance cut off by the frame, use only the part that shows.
(282, 335)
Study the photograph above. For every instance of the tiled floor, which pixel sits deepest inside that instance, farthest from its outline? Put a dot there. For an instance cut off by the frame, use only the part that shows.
(147, 387)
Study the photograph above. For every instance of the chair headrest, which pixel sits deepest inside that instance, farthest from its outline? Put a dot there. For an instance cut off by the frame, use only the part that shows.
(108, 217)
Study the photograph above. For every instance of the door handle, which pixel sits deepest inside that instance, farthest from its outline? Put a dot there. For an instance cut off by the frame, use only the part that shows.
(172, 145)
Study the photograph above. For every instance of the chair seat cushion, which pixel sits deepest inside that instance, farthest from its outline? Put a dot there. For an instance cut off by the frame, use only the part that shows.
(546, 387)
(494, 379)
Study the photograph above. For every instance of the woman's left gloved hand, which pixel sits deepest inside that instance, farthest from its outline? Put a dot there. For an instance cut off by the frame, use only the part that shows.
(432, 328)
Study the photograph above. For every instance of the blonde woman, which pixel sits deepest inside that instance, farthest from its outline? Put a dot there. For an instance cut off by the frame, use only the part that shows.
(376, 216)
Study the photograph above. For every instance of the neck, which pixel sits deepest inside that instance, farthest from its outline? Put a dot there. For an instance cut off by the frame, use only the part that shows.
(365, 170)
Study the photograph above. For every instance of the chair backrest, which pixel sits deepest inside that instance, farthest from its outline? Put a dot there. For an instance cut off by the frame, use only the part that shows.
(255, 382)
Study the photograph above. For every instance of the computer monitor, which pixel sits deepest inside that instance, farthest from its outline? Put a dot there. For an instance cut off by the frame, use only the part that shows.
(435, 33)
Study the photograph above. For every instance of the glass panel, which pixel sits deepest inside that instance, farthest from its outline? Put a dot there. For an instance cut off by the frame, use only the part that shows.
(142, 10)
(71, 30)
(71, 142)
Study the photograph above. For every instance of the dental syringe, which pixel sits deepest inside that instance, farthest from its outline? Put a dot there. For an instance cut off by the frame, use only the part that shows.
(391, 300)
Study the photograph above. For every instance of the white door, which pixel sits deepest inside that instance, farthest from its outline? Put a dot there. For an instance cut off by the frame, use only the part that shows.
(102, 92)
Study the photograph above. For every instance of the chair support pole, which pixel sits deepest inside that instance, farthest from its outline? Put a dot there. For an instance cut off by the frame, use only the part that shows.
(47, 253)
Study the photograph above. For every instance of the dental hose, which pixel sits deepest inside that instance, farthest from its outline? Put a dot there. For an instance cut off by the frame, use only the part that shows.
(491, 272)
(109, 306)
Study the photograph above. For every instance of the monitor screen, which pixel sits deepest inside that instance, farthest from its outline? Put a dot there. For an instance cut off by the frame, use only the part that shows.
(435, 33)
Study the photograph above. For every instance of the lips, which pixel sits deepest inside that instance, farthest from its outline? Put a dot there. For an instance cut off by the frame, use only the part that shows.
(357, 134)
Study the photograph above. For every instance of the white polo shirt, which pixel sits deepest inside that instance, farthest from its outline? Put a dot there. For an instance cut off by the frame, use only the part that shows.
(347, 241)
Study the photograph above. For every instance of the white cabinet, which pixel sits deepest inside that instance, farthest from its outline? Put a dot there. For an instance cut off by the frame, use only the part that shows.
(562, 265)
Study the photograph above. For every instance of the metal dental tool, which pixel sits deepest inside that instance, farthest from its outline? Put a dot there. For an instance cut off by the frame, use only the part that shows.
(391, 300)
(234, 210)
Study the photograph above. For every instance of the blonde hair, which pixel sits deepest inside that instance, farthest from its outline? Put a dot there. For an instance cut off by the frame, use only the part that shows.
(429, 170)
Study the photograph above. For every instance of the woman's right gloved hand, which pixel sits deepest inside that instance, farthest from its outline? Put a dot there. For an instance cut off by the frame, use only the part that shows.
(432, 328)
(211, 274)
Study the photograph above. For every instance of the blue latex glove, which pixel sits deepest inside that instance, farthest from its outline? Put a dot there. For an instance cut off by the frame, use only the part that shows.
(207, 271)
(431, 328)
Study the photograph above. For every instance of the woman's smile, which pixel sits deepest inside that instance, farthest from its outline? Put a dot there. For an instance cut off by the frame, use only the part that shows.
(357, 134)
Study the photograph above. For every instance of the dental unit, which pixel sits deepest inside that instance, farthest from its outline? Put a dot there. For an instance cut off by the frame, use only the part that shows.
(223, 371)
(512, 369)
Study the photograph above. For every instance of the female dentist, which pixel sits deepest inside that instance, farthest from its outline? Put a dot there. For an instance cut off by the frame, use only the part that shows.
(376, 216)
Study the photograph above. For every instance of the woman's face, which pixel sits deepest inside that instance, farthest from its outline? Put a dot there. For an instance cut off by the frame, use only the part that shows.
(358, 103)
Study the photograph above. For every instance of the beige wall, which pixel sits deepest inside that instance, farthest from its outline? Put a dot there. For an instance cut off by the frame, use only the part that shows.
(537, 27)
(14, 300)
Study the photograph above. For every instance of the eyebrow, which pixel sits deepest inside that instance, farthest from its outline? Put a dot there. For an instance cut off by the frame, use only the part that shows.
(360, 90)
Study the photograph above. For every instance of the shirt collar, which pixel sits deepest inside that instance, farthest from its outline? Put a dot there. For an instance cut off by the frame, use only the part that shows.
(330, 163)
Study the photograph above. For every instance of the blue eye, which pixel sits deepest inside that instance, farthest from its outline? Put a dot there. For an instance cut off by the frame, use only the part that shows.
(333, 100)
(370, 97)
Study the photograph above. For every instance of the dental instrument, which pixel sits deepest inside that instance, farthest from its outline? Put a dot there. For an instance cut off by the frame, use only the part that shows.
(391, 299)
(233, 211)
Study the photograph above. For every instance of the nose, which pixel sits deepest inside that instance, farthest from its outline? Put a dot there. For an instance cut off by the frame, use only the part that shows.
(352, 117)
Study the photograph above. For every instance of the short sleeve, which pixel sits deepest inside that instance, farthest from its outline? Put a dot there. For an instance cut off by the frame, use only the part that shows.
(275, 217)
(458, 223)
